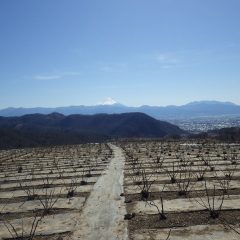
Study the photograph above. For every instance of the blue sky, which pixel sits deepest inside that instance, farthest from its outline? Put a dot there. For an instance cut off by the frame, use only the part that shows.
(155, 52)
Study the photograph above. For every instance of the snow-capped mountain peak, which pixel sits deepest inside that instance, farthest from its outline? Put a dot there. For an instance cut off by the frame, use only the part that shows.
(108, 101)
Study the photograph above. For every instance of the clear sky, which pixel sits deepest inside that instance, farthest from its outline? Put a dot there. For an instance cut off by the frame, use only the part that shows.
(155, 52)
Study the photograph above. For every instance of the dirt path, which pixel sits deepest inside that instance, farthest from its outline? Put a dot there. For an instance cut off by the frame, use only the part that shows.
(103, 214)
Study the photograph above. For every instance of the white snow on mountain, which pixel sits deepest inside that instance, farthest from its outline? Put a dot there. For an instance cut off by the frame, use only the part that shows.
(108, 101)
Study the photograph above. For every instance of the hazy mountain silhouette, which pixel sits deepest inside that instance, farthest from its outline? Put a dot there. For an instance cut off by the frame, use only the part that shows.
(190, 110)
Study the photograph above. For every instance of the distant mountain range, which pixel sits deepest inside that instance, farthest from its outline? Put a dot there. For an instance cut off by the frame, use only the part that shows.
(190, 110)
(54, 129)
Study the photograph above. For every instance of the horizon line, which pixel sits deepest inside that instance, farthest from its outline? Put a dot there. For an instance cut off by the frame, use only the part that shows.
(117, 103)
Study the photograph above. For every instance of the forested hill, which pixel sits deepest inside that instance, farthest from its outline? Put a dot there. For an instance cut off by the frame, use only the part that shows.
(53, 129)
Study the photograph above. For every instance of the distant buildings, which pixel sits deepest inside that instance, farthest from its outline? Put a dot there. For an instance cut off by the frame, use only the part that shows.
(205, 124)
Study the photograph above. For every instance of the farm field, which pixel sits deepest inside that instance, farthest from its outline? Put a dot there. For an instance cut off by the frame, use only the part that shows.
(124, 190)
(177, 190)
(43, 190)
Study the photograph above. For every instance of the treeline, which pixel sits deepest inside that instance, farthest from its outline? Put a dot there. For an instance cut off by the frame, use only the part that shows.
(231, 134)
(228, 134)
(13, 138)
